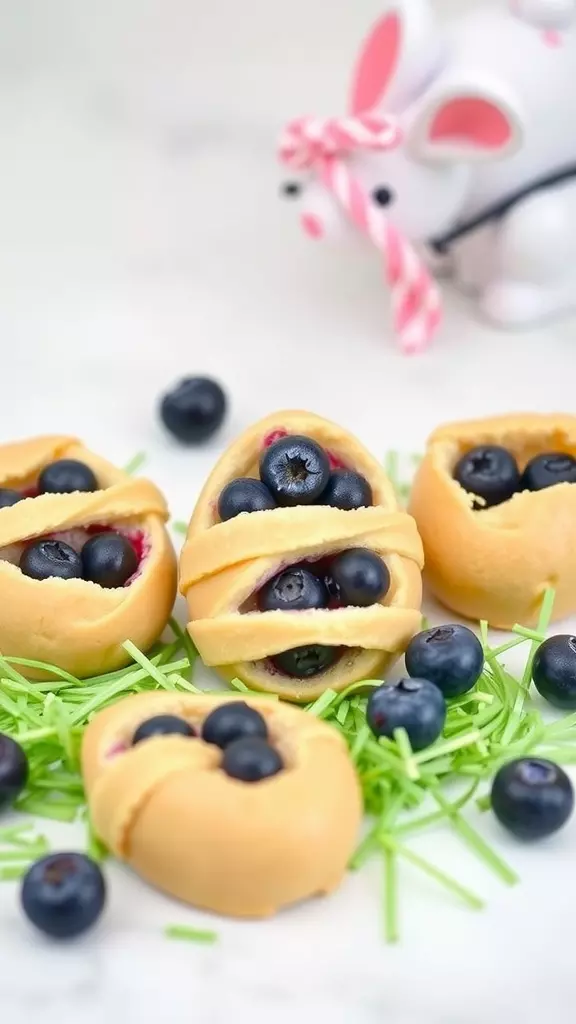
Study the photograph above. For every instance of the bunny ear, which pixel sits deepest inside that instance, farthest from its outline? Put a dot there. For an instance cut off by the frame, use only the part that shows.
(469, 124)
(396, 58)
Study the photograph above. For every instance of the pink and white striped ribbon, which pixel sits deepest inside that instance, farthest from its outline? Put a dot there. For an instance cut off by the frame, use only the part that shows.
(323, 145)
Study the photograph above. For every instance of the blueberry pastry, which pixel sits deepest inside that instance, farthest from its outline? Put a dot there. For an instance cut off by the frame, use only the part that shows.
(241, 807)
(299, 570)
(495, 504)
(85, 559)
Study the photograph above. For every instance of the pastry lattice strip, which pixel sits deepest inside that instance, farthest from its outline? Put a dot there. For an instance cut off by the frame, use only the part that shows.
(250, 549)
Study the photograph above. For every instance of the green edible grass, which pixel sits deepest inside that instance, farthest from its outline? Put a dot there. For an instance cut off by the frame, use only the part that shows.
(183, 933)
(179, 527)
(135, 463)
(48, 720)
(406, 792)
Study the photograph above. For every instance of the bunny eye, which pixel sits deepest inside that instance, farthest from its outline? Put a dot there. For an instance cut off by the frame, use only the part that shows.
(383, 196)
(291, 189)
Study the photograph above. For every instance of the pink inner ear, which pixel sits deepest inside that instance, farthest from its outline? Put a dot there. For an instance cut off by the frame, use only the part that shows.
(377, 64)
(476, 121)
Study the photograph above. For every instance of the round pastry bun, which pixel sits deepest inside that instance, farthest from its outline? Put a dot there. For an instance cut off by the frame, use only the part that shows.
(75, 624)
(240, 849)
(224, 564)
(496, 563)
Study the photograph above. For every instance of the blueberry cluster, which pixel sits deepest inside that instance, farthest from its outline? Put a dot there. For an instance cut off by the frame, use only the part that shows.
(356, 577)
(107, 559)
(65, 476)
(492, 473)
(294, 470)
(531, 797)
(239, 730)
(442, 662)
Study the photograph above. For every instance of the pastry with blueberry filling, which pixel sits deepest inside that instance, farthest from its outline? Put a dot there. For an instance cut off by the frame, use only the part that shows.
(241, 807)
(299, 569)
(85, 559)
(495, 503)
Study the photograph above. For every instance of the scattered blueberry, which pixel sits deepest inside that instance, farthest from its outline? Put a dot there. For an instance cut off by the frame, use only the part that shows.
(295, 469)
(194, 410)
(449, 656)
(244, 495)
(547, 470)
(346, 489)
(554, 671)
(162, 725)
(490, 472)
(415, 705)
(532, 797)
(9, 497)
(359, 577)
(108, 559)
(65, 477)
(13, 770)
(233, 721)
(63, 894)
(304, 662)
(294, 589)
(251, 760)
(47, 558)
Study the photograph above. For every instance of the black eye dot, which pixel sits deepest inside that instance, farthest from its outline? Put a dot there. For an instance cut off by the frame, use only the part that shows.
(291, 189)
(383, 196)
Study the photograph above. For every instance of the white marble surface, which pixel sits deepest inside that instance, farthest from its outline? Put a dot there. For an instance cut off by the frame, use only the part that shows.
(141, 238)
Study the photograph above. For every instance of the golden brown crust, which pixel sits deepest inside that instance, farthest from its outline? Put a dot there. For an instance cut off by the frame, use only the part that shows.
(223, 564)
(496, 563)
(76, 624)
(240, 849)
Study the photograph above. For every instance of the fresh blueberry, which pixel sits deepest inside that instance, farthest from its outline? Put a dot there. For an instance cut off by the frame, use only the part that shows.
(554, 671)
(346, 489)
(251, 760)
(108, 559)
(194, 410)
(304, 662)
(9, 497)
(63, 894)
(295, 589)
(295, 469)
(162, 725)
(233, 721)
(532, 797)
(65, 477)
(46, 558)
(359, 578)
(415, 705)
(449, 656)
(13, 770)
(547, 470)
(490, 472)
(244, 495)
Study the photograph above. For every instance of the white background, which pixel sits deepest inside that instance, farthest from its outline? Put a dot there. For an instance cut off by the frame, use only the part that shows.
(141, 238)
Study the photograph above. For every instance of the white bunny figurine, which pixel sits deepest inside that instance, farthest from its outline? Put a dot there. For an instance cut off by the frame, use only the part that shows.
(461, 137)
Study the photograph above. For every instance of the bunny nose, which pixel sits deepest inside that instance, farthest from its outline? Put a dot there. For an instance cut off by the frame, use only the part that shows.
(312, 225)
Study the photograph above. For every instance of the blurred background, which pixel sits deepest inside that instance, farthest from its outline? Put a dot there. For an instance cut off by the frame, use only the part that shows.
(142, 235)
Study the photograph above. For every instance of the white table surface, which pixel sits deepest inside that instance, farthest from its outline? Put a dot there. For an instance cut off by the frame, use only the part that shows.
(141, 238)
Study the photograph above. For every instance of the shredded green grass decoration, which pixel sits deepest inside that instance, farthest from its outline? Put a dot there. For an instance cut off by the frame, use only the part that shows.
(184, 933)
(405, 792)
